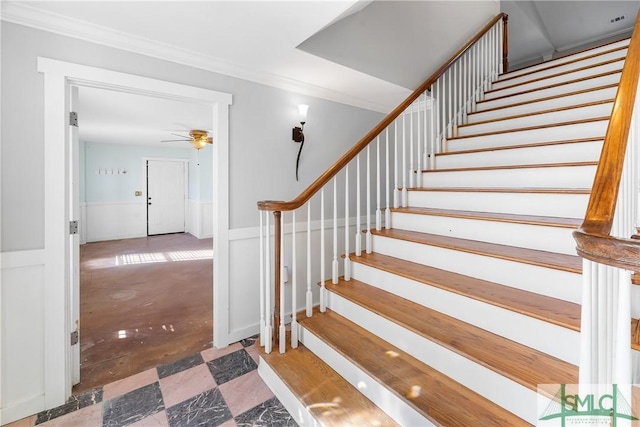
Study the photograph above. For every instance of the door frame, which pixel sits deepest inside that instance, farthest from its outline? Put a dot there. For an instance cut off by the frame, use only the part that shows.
(58, 77)
(145, 174)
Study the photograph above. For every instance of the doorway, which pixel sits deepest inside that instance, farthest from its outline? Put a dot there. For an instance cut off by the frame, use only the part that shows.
(58, 77)
(135, 290)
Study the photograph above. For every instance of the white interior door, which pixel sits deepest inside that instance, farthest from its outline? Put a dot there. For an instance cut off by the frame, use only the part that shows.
(165, 196)
(74, 238)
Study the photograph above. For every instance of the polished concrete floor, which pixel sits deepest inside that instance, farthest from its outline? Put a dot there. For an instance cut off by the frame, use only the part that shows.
(143, 303)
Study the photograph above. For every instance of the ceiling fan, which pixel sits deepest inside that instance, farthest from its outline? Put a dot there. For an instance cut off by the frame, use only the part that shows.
(197, 138)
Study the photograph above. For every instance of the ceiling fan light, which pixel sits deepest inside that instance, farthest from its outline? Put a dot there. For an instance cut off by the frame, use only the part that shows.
(198, 143)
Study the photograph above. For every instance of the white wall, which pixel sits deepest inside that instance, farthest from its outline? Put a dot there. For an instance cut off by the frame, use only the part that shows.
(262, 166)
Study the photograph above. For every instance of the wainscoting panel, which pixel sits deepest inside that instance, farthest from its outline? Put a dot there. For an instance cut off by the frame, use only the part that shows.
(117, 220)
(200, 218)
(22, 359)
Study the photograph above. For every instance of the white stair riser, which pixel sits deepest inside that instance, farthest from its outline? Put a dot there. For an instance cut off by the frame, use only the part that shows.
(531, 177)
(546, 281)
(503, 82)
(495, 387)
(543, 238)
(560, 205)
(567, 115)
(568, 58)
(555, 340)
(394, 406)
(594, 129)
(547, 92)
(573, 152)
(532, 107)
(291, 403)
(576, 75)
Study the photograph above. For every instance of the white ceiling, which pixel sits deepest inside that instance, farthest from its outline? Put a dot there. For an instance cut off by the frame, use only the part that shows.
(107, 116)
(362, 53)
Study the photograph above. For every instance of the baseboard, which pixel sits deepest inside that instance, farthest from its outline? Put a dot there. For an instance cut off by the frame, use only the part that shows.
(22, 409)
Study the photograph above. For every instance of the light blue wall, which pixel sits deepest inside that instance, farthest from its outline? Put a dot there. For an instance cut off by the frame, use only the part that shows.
(114, 187)
(201, 174)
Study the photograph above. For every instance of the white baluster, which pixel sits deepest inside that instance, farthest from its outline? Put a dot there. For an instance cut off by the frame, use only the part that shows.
(387, 212)
(437, 121)
(378, 210)
(368, 236)
(262, 281)
(268, 328)
(309, 294)
(282, 331)
(455, 98)
(347, 257)
(418, 179)
(404, 161)
(396, 186)
(294, 284)
(334, 264)
(323, 289)
(412, 182)
(358, 243)
(450, 104)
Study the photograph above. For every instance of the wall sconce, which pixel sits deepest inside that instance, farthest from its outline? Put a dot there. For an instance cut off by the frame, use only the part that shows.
(298, 134)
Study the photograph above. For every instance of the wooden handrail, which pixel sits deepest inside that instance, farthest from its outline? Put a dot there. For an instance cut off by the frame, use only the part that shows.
(270, 205)
(593, 239)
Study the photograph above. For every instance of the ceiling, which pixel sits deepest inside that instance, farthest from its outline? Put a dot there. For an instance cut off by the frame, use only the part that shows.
(369, 54)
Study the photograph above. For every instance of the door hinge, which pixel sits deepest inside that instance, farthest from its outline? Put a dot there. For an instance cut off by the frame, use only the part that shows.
(73, 119)
(73, 227)
(74, 337)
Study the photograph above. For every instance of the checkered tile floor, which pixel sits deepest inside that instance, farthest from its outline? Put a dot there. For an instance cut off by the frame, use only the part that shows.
(211, 388)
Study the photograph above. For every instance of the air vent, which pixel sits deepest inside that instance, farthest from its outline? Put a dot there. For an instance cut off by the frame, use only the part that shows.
(617, 19)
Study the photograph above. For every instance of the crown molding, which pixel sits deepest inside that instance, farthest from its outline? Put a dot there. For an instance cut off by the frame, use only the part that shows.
(23, 14)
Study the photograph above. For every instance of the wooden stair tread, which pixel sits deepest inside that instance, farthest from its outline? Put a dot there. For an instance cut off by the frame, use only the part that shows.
(550, 76)
(502, 167)
(528, 128)
(505, 76)
(494, 216)
(546, 98)
(569, 263)
(512, 147)
(552, 310)
(329, 398)
(594, 76)
(418, 384)
(551, 110)
(522, 364)
(504, 190)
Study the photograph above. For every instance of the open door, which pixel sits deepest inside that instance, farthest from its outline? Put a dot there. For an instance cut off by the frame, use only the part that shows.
(74, 236)
(166, 194)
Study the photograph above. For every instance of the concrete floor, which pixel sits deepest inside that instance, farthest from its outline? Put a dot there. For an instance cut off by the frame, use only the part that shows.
(143, 303)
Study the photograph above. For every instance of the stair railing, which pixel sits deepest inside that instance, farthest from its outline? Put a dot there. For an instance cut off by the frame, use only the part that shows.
(400, 146)
(604, 239)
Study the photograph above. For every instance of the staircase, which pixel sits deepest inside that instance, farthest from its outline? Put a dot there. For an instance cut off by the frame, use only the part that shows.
(470, 297)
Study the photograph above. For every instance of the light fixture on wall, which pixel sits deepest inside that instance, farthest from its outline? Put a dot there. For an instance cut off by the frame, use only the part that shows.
(298, 134)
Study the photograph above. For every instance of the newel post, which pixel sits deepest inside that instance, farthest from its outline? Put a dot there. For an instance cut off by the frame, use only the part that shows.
(505, 44)
(277, 216)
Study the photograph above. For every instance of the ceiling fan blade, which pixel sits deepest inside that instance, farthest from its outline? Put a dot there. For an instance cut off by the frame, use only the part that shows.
(181, 136)
(176, 140)
(209, 140)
